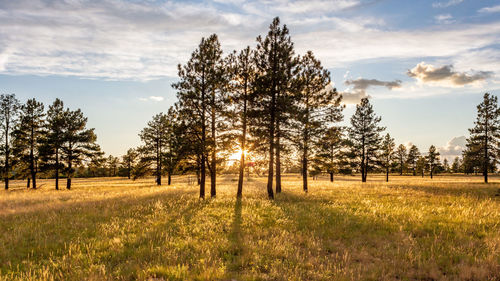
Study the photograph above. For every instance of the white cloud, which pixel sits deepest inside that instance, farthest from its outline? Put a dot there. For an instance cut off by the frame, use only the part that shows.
(494, 9)
(453, 148)
(152, 98)
(444, 19)
(446, 75)
(446, 4)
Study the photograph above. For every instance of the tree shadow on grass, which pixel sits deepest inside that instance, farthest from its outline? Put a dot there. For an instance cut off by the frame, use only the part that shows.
(50, 232)
(235, 241)
(345, 244)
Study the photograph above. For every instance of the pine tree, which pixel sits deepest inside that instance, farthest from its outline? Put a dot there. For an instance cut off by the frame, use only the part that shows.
(173, 143)
(274, 58)
(243, 79)
(402, 156)
(79, 143)
(154, 138)
(199, 91)
(9, 113)
(455, 166)
(330, 155)
(388, 154)
(365, 136)
(128, 161)
(316, 107)
(485, 135)
(52, 146)
(29, 136)
(412, 158)
(432, 159)
(112, 163)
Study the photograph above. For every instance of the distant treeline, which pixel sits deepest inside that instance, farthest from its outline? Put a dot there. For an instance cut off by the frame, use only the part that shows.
(276, 108)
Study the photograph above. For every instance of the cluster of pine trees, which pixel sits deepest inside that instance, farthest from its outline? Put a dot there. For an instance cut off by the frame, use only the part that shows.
(271, 102)
(37, 142)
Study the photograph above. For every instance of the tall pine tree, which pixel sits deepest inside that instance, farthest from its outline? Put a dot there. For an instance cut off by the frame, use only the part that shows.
(388, 154)
(79, 143)
(243, 79)
(412, 158)
(29, 136)
(432, 159)
(274, 59)
(197, 91)
(316, 107)
(9, 113)
(154, 136)
(485, 135)
(365, 136)
(52, 146)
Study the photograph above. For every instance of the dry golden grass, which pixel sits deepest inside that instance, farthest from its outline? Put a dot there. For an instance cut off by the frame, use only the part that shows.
(411, 228)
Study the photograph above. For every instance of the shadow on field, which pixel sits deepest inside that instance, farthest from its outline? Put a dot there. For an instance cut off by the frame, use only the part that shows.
(235, 239)
(51, 231)
(346, 243)
(333, 237)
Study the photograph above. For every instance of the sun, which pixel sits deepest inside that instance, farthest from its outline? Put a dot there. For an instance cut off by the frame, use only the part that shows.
(236, 155)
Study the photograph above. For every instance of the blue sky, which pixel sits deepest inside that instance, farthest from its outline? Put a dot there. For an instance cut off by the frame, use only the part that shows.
(425, 64)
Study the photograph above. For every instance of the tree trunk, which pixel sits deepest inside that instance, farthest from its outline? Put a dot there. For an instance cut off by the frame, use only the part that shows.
(34, 180)
(57, 168)
(7, 152)
(331, 176)
(28, 182)
(32, 157)
(203, 140)
(304, 169)
(169, 180)
(239, 194)
(213, 173)
(70, 172)
(486, 156)
(272, 123)
(363, 178)
(158, 162)
(278, 158)
(387, 174)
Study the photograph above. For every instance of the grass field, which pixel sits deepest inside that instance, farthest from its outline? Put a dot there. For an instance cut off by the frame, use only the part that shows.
(447, 228)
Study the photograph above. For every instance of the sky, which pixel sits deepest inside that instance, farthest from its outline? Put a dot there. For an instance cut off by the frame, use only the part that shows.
(424, 64)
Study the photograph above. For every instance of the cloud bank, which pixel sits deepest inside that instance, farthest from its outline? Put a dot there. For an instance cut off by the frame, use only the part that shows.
(144, 40)
(360, 86)
(446, 75)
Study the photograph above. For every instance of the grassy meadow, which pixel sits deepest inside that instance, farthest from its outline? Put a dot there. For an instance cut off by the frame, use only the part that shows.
(411, 228)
